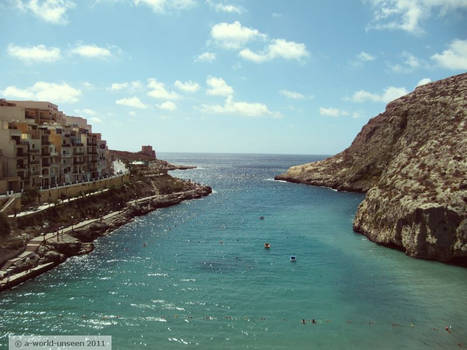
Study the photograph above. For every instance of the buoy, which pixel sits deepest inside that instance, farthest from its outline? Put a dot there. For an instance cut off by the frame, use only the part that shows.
(293, 258)
(267, 245)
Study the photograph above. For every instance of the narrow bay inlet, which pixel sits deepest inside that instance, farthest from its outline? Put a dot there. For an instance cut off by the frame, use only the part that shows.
(233, 174)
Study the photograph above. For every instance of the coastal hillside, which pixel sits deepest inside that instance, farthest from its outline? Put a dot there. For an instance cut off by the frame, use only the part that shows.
(411, 162)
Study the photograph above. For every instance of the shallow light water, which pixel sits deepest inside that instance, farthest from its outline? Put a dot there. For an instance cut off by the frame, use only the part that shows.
(197, 275)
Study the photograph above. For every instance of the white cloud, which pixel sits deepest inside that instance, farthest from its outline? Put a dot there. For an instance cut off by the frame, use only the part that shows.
(86, 111)
(39, 53)
(292, 94)
(132, 113)
(228, 8)
(408, 14)
(389, 94)
(53, 11)
(218, 87)
(95, 120)
(206, 57)
(279, 48)
(118, 86)
(134, 102)
(43, 91)
(162, 6)
(133, 85)
(234, 35)
(455, 57)
(332, 112)
(409, 64)
(423, 81)
(245, 109)
(158, 90)
(167, 106)
(91, 51)
(365, 57)
(188, 86)
(88, 85)
(411, 60)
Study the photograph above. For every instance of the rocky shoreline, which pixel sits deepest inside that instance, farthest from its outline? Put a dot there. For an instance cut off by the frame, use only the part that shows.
(411, 163)
(46, 251)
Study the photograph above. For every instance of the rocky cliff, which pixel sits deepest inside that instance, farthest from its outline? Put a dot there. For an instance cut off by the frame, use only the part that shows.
(411, 161)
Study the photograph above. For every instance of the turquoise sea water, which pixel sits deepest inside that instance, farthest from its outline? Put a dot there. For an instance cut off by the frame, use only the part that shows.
(197, 276)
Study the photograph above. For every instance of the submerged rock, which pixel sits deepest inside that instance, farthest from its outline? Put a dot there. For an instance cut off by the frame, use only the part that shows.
(411, 162)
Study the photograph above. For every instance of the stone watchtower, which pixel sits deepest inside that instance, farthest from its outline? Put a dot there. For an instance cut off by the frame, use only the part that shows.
(147, 150)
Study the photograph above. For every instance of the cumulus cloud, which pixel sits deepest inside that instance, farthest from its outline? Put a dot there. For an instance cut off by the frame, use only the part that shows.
(95, 120)
(163, 6)
(133, 102)
(423, 81)
(365, 57)
(206, 57)
(86, 111)
(39, 53)
(239, 108)
(279, 48)
(91, 51)
(52, 11)
(332, 112)
(188, 86)
(167, 106)
(455, 57)
(158, 90)
(228, 8)
(408, 65)
(408, 14)
(132, 85)
(389, 94)
(234, 35)
(44, 91)
(218, 87)
(292, 94)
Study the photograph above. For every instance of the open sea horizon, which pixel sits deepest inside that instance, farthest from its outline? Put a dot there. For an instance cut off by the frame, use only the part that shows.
(196, 275)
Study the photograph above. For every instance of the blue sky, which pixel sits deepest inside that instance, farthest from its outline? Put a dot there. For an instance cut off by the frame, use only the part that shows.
(275, 76)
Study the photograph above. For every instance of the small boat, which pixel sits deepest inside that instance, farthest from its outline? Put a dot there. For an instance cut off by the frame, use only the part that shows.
(293, 258)
(267, 245)
(261, 217)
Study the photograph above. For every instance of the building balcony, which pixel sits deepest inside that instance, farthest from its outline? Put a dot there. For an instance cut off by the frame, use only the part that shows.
(34, 150)
(21, 166)
(45, 153)
(35, 161)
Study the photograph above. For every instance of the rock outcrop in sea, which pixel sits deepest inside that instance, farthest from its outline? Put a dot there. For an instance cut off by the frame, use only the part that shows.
(411, 161)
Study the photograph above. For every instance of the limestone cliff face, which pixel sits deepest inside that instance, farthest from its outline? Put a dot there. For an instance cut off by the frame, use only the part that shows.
(411, 161)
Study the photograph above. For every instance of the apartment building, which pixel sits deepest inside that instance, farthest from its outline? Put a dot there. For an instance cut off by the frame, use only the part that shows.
(41, 147)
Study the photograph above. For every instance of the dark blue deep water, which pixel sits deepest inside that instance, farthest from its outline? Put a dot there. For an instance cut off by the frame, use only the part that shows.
(197, 276)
